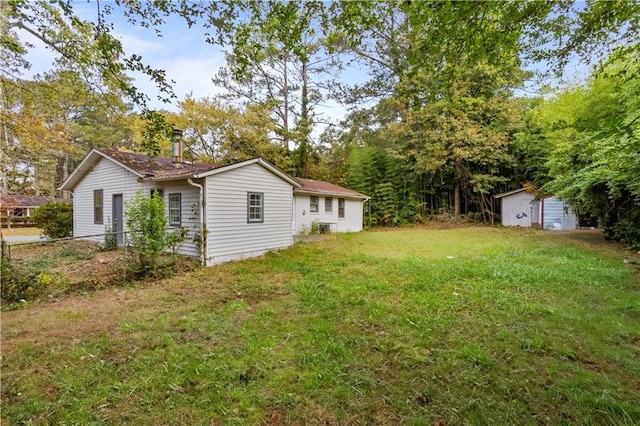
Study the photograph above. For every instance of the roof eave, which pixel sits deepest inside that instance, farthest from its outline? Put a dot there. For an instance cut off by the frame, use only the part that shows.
(87, 164)
(258, 160)
(506, 194)
(304, 191)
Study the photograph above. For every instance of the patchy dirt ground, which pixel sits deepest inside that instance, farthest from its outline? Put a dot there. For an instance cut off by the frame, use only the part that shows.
(77, 266)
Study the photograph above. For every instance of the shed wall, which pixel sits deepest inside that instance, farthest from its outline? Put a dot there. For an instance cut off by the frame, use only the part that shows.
(518, 209)
(557, 216)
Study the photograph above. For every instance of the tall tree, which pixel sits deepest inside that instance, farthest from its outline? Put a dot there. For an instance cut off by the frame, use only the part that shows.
(220, 132)
(278, 56)
(53, 120)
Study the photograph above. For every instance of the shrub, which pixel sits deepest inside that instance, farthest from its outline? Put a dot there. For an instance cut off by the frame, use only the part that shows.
(627, 232)
(18, 284)
(110, 239)
(175, 239)
(315, 227)
(149, 238)
(54, 219)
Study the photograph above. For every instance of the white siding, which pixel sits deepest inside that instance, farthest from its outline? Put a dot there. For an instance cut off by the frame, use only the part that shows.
(352, 221)
(114, 179)
(557, 216)
(229, 235)
(191, 213)
(518, 209)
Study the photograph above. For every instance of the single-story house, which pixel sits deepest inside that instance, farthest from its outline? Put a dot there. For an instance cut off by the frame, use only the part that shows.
(522, 208)
(332, 207)
(245, 208)
(19, 208)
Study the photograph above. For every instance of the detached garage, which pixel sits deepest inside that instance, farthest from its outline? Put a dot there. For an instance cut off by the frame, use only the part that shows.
(521, 208)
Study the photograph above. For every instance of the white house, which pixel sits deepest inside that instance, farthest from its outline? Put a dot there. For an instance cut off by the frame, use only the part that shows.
(332, 207)
(245, 208)
(521, 208)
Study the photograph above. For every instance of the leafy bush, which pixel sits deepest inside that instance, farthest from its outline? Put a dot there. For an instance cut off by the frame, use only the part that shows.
(18, 284)
(110, 239)
(149, 238)
(175, 239)
(627, 232)
(55, 219)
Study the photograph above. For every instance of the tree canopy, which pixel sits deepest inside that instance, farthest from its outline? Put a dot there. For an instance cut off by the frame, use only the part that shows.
(438, 120)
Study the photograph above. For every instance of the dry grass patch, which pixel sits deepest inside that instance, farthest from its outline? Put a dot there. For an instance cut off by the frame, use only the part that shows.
(21, 232)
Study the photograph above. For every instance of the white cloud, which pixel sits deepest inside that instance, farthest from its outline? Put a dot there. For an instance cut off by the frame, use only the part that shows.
(184, 56)
(182, 53)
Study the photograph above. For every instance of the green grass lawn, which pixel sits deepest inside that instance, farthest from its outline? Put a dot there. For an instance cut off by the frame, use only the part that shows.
(473, 325)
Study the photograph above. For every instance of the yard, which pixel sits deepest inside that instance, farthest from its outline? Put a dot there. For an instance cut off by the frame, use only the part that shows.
(474, 325)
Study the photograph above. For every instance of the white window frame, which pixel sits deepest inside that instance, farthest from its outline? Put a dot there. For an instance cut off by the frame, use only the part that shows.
(173, 209)
(341, 207)
(328, 205)
(255, 207)
(314, 207)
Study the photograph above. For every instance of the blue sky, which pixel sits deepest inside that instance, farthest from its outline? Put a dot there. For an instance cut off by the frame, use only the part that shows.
(181, 51)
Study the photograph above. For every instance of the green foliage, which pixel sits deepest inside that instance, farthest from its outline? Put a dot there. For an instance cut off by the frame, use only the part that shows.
(442, 79)
(18, 284)
(156, 129)
(174, 239)
(147, 223)
(22, 282)
(220, 132)
(56, 117)
(594, 163)
(55, 219)
(110, 239)
(387, 180)
(627, 230)
(314, 229)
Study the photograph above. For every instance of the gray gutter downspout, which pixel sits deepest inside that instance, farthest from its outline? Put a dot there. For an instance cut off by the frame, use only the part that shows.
(203, 225)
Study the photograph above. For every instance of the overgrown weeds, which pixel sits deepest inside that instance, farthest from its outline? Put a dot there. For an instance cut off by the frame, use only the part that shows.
(47, 271)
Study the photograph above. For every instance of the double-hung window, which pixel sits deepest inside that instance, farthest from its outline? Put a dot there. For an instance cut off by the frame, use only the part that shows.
(340, 208)
(98, 206)
(328, 204)
(315, 202)
(175, 209)
(255, 207)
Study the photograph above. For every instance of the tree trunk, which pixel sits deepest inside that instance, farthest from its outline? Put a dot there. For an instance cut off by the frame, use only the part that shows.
(285, 94)
(303, 126)
(456, 198)
(64, 174)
